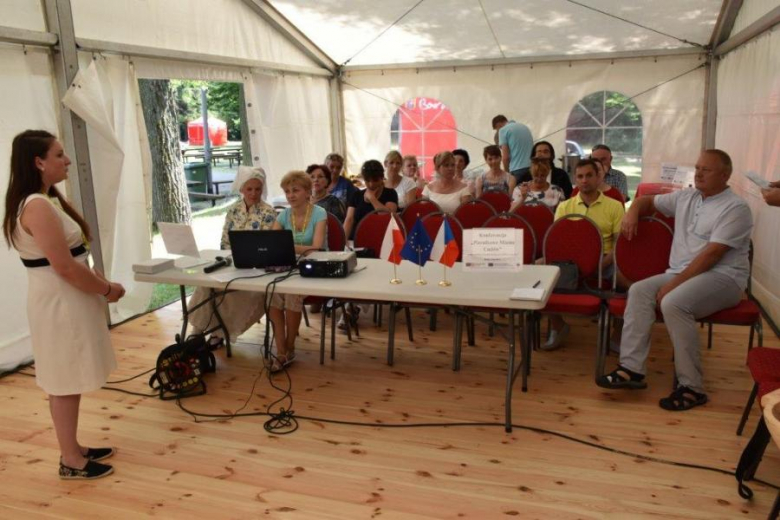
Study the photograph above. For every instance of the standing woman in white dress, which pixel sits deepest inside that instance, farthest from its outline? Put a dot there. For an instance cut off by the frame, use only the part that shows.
(65, 300)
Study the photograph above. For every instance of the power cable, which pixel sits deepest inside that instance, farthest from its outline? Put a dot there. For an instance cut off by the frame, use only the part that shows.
(631, 22)
(375, 38)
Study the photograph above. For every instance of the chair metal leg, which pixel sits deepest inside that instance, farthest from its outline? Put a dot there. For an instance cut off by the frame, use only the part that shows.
(324, 312)
(391, 334)
(306, 317)
(457, 340)
(432, 325)
(709, 336)
(748, 407)
(333, 327)
(775, 512)
(491, 327)
(470, 331)
(408, 314)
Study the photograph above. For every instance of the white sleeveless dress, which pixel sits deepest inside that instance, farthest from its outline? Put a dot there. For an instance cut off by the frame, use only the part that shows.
(70, 340)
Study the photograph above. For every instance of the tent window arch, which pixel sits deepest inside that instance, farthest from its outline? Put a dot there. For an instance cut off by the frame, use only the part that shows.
(423, 126)
(610, 118)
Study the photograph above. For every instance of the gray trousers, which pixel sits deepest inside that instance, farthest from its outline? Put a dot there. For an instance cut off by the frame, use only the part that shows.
(700, 296)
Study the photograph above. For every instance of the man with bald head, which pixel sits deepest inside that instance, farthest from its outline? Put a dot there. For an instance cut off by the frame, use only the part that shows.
(708, 271)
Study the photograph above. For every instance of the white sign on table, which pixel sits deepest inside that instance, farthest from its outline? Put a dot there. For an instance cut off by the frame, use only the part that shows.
(493, 249)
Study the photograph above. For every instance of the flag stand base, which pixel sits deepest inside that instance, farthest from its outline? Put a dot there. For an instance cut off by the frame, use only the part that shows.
(396, 281)
(445, 283)
(421, 282)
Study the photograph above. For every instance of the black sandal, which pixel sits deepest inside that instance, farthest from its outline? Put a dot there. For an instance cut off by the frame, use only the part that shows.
(682, 399)
(617, 379)
(91, 471)
(97, 454)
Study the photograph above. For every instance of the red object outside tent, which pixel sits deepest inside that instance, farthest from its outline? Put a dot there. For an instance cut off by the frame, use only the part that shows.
(426, 127)
(217, 132)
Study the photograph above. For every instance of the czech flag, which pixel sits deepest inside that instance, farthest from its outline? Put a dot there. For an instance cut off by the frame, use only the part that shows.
(445, 248)
(417, 248)
(392, 243)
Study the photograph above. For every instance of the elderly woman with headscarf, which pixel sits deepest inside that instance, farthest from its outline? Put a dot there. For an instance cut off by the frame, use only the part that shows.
(239, 310)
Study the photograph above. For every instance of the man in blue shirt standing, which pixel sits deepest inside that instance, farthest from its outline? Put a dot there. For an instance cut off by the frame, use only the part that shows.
(516, 142)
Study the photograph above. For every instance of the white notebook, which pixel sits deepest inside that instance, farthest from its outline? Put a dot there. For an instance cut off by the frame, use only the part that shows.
(527, 293)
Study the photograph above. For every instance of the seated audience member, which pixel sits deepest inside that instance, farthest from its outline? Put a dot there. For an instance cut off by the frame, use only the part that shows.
(708, 271)
(374, 197)
(446, 191)
(604, 188)
(558, 176)
(340, 187)
(538, 189)
(772, 194)
(411, 169)
(320, 181)
(405, 187)
(462, 160)
(613, 177)
(308, 225)
(606, 213)
(495, 179)
(239, 309)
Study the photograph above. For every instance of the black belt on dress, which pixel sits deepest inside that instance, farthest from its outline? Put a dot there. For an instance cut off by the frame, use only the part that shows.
(43, 262)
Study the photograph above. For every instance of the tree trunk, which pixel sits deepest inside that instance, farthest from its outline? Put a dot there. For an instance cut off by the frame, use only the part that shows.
(170, 202)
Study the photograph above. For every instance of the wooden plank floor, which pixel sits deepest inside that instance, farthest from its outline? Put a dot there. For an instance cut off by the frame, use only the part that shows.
(171, 467)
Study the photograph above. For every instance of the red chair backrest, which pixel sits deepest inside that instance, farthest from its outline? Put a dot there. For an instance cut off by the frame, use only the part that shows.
(510, 220)
(474, 213)
(418, 208)
(500, 201)
(669, 221)
(577, 239)
(432, 223)
(540, 216)
(370, 231)
(646, 254)
(337, 240)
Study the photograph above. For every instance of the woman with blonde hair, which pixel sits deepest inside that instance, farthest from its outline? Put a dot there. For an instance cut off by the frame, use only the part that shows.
(405, 187)
(239, 310)
(66, 299)
(446, 190)
(307, 222)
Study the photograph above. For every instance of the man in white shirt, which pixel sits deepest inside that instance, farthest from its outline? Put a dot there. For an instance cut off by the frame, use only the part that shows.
(708, 271)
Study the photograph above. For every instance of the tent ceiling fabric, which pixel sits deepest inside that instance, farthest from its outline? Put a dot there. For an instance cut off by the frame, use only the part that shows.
(445, 30)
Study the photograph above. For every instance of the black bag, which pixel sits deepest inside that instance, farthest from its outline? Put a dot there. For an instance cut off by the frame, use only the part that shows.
(180, 368)
(569, 280)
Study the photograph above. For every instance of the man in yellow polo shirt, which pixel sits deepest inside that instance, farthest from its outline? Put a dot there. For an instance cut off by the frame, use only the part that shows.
(607, 213)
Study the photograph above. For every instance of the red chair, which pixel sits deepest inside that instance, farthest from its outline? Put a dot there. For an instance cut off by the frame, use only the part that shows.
(500, 201)
(669, 221)
(418, 209)
(540, 216)
(474, 213)
(432, 223)
(764, 365)
(337, 239)
(645, 255)
(370, 231)
(575, 238)
(510, 220)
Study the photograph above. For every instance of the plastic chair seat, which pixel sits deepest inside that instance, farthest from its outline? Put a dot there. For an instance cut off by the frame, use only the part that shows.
(746, 312)
(582, 304)
(764, 364)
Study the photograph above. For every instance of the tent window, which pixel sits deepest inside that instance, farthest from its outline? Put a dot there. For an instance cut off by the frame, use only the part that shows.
(423, 127)
(611, 118)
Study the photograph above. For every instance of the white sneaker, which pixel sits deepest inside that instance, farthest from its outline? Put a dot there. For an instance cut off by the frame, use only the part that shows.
(556, 338)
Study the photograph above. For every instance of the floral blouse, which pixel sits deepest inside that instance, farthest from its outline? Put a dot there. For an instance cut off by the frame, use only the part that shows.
(259, 216)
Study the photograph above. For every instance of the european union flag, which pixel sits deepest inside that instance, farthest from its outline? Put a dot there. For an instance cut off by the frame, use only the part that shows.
(417, 248)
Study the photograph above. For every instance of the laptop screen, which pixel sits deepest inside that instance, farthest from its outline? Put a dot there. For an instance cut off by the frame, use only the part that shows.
(262, 249)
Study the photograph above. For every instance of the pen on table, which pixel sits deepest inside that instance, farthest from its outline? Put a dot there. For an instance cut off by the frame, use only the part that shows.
(538, 282)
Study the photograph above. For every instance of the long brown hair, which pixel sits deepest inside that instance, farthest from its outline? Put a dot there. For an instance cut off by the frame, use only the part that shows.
(26, 179)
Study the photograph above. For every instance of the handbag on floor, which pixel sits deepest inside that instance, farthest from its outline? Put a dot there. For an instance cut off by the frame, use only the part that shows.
(180, 368)
(569, 280)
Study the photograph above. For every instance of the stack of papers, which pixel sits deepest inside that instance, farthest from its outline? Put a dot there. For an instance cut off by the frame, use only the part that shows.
(527, 293)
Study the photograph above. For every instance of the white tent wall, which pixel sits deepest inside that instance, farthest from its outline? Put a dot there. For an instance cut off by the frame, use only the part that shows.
(105, 94)
(28, 101)
(214, 27)
(540, 96)
(751, 11)
(22, 14)
(748, 128)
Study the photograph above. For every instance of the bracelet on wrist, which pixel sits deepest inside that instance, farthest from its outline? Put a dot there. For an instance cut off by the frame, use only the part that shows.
(108, 291)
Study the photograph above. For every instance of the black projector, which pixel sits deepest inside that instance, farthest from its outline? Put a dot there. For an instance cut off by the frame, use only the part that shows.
(324, 264)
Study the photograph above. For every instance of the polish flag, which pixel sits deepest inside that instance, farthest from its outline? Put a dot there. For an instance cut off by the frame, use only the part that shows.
(392, 243)
(445, 249)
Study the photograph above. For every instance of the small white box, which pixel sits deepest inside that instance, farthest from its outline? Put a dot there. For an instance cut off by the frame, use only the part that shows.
(153, 266)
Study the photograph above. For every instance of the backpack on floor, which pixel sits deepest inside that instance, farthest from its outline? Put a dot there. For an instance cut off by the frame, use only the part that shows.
(180, 368)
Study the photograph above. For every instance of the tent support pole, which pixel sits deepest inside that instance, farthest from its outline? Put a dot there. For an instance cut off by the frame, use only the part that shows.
(337, 131)
(59, 20)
